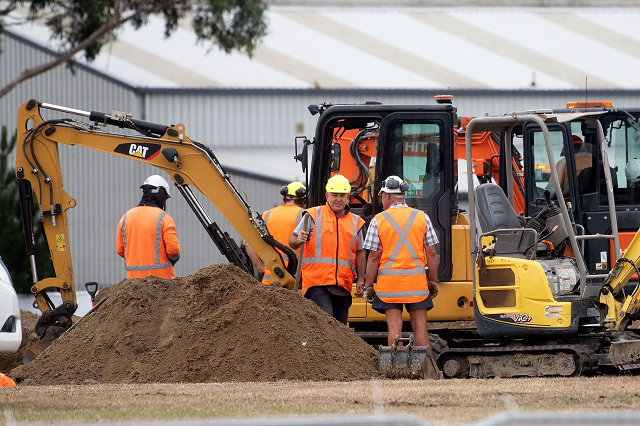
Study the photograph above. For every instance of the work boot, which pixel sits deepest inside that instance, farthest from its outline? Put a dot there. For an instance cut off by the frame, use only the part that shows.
(429, 366)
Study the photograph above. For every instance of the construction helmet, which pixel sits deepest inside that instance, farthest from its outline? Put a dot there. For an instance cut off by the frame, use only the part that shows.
(338, 184)
(632, 171)
(295, 190)
(157, 181)
(394, 185)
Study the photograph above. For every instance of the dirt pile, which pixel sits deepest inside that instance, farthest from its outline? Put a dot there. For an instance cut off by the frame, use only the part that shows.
(218, 325)
(10, 361)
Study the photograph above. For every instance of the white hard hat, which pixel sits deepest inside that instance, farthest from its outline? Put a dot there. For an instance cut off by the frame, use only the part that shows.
(632, 171)
(394, 185)
(157, 181)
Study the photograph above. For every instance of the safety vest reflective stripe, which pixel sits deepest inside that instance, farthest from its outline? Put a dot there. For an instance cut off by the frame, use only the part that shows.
(415, 293)
(418, 271)
(402, 241)
(156, 246)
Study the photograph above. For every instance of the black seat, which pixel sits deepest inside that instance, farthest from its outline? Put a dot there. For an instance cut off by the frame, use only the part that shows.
(586, 181)
(494, 209)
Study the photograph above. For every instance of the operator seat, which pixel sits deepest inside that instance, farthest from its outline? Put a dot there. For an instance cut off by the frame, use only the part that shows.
(494, 209)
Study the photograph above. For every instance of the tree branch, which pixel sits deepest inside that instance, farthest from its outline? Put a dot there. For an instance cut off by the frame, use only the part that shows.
(114, 22)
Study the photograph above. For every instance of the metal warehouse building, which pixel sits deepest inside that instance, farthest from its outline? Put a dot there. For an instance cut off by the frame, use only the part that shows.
(493, 61)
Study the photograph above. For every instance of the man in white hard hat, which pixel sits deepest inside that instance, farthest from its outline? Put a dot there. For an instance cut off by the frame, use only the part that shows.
(147, 238)
(397, 240)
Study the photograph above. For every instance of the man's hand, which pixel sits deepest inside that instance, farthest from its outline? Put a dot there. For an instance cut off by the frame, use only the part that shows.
(359, 289)
(433, 288)
(303, 237)
(369, 292)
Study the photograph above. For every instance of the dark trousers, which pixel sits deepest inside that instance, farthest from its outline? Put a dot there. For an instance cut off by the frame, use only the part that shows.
(336, 306)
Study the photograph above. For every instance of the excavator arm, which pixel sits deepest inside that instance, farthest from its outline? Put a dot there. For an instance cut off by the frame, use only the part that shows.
(622, 306)
(189, 163)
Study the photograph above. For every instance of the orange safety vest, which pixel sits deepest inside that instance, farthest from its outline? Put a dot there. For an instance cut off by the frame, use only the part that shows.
(401, 274)
(281, 222)
(147, 240)
(329, 255)
(6, 381)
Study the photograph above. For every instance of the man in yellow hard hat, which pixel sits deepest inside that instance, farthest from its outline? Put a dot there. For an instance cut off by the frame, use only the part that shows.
(281, 221)
(333, 255)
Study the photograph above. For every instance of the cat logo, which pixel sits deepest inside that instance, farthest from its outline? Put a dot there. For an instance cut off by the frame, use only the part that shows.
(145, 151)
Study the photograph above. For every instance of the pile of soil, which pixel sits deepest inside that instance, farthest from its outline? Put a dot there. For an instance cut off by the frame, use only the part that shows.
(217, 325)
(9, 361)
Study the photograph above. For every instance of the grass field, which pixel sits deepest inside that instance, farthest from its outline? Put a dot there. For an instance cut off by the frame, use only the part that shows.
(438, 402)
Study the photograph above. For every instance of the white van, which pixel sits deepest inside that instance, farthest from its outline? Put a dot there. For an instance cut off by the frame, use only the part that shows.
(10, 324)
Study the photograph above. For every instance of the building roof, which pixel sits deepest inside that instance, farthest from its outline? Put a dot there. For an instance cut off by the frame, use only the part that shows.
(385, 48)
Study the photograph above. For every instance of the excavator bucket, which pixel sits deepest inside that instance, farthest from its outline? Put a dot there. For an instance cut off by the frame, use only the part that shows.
(408, 362)
(39, 346)
(625, 352)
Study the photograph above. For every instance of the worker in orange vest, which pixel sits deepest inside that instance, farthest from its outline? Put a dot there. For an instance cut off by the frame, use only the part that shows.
(281, 221)
(147, 236)
(333, 255)
(397, 240)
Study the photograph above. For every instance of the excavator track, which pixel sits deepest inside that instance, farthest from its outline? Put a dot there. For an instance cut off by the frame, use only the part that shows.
(580, 356)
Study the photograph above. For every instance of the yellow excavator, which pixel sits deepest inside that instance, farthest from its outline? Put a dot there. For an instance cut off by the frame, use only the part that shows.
(536, 309)
(188, 163)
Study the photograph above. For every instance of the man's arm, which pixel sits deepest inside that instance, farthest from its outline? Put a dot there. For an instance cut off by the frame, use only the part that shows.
(253, 256)
(170, 239)
(372, 267)
(361, 262)
(120, 240)
(432, 262)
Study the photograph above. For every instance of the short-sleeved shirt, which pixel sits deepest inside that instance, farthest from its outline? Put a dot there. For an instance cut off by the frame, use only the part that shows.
(372, 242)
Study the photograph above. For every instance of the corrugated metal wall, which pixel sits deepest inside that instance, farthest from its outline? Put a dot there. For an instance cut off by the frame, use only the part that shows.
(106, 186)
(246, 118)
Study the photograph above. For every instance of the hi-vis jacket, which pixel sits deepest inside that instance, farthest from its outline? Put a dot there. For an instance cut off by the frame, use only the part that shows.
(148, 242)
(281, 222)
(329, 256)
(401, 274)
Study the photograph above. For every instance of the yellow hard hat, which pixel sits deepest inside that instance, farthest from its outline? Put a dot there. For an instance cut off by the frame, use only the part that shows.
(294, 190)
(338, 184)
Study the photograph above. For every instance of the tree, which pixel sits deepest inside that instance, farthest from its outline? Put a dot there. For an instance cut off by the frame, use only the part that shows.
(88, 25)
(12, 245)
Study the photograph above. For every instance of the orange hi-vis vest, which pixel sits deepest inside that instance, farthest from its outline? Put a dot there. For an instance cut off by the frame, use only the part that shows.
(281, 221)
(329, 255)
(401, 274)
(147, 240)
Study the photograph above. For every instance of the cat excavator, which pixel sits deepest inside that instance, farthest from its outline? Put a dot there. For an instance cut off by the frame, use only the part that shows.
(188, 163)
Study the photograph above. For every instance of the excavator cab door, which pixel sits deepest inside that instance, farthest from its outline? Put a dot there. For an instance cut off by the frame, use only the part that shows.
(418, 147)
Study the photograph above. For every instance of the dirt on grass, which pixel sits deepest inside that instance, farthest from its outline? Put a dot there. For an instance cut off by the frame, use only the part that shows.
(217, 325)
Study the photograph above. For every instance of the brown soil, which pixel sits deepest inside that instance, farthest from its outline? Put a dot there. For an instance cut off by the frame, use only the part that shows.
(10, 361)
(218, 325)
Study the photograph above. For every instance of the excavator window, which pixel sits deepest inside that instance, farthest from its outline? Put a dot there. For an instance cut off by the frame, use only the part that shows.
(623, 149)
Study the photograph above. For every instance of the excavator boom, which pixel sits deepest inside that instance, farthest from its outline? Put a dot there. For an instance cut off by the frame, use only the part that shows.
(189, 164)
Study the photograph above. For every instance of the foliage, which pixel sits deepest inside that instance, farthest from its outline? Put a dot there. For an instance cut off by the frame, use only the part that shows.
(88, 25)
(12, 244)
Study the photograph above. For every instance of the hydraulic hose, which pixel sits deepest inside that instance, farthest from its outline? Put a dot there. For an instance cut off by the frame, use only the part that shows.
(293, 258)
